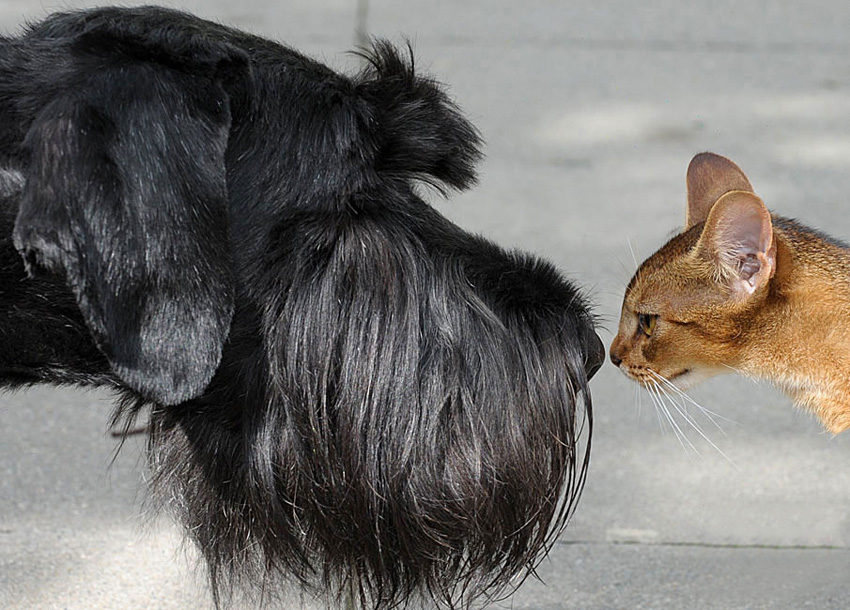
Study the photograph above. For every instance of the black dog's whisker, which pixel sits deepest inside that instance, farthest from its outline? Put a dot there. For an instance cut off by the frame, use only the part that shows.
(343, 388)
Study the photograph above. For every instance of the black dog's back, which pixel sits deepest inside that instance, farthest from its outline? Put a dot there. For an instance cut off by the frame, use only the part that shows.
(344, 386)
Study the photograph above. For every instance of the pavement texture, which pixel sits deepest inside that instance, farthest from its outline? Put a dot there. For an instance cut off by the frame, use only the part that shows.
(591, 112)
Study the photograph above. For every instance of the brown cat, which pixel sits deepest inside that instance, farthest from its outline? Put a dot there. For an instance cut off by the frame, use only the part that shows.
(742, 290)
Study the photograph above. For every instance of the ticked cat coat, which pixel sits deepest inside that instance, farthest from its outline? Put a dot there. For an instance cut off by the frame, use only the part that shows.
(742, 290)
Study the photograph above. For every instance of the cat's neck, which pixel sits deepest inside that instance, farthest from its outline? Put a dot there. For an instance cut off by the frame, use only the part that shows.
(800, 339)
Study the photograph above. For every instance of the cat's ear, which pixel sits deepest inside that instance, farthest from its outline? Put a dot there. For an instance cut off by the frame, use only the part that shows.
(738, 239)
(711, 176)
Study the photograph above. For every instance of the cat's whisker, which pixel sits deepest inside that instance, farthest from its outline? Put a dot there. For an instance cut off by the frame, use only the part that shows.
(632, 250)
(659, 394)
(659, 407)
(743, 373)
(640, 399)
(682, 410)
(662, 393)
(637, 398)
(681, 407)
(709, 414)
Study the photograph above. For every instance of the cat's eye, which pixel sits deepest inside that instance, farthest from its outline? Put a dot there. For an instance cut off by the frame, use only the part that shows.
(646, 323)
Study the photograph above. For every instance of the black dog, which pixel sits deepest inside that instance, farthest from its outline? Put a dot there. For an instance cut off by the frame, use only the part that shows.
(344, 387)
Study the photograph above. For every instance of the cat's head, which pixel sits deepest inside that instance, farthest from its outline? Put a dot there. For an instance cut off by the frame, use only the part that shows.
(686, 310)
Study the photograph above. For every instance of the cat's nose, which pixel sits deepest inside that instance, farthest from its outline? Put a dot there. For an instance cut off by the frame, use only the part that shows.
(595, 355)
(614, 354)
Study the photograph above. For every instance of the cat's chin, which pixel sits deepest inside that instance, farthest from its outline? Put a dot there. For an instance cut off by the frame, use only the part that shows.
(688, 378)
(684, 379)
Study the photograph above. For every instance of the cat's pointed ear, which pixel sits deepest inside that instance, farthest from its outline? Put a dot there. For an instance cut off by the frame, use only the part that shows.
(710, 176)
(738, 239)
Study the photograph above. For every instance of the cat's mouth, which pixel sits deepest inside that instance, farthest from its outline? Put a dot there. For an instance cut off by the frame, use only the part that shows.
(648, 377)
(681, 373)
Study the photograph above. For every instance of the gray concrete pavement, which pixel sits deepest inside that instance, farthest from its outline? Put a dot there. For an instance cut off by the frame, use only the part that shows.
(591, 112)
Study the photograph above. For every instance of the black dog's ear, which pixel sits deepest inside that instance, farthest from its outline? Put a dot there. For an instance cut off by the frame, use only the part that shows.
(126, 196)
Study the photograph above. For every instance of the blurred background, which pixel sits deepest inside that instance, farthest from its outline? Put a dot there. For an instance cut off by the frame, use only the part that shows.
(591, 113)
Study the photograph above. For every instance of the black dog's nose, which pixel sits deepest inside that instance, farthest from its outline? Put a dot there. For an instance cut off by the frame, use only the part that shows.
(595, 354)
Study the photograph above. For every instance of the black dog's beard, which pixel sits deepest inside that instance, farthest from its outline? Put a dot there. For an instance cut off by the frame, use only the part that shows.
(347, 389)
(405, 432)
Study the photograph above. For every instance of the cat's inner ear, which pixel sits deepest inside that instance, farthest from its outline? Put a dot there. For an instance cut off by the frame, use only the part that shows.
(711, 176)
(738, 238)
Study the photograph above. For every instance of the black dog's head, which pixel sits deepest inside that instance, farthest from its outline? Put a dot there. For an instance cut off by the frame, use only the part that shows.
(344, 387)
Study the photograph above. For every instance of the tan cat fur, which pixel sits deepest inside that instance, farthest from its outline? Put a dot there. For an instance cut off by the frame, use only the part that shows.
(741, 290)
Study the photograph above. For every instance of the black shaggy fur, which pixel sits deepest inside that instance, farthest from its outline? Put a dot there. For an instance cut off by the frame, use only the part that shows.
(345, 389)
